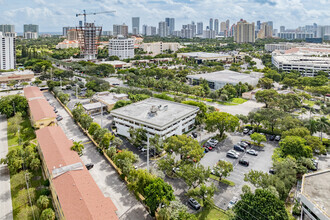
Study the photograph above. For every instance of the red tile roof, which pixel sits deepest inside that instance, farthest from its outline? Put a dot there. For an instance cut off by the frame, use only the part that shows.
(40, 109)
(32, 92)
(78, 194)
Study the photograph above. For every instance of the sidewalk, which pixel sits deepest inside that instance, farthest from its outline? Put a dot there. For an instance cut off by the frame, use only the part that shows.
(6, 209)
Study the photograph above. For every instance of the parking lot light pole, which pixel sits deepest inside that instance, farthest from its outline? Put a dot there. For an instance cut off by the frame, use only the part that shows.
(101, 115)
(148, 152)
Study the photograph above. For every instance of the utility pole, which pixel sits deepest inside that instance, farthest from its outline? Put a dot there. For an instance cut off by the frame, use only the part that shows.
(148, 169)
(77, 91)
(61, 82)
(101, 114)
(14, 108)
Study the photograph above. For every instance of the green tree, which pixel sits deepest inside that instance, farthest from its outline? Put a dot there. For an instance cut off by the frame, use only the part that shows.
(23, 196)
(121, 103)
(137, 136)
(223, 168)
(47, 214)
(105, 142)
(99, 133)
(221, 121)
(261, 205)
(265, 83)
(14, 123)
(323, 126)
(295, 147)
(85, 121)
(267, 96)
(139, 179)
(193, 175)
(175, 211)
(300, 132)
(204, 194)
(78, 147)
(17, 181)
(93, 127)
(14, 160)
(11, 104)
(258, 138)
(43, 202)
(158, 192)
(117, 142)
(167, 164)
(28, 212)
(315, 143)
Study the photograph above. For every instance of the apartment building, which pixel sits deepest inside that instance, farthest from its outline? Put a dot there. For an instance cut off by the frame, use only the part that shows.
(7, 51)
(244, 32)
(159, 47)
(121, 47)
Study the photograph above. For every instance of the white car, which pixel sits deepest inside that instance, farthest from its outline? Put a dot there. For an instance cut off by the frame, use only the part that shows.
(232, 202)
(234, 152)
(252, 152)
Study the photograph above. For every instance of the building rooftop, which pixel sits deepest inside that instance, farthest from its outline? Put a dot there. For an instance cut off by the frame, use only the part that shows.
(32, 92)
(204, 54)
(92, 106)
(40, 109)
(167, 112)
(302, 60)
(110, 98)
(78, 194)
(316, 188)
(228, 76)
(17, 72)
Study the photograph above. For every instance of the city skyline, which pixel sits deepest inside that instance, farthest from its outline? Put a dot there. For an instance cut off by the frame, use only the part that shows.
(51, 16)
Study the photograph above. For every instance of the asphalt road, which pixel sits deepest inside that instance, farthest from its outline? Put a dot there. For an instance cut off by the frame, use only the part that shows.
(262, 162)
(6, 209)
(103, 173)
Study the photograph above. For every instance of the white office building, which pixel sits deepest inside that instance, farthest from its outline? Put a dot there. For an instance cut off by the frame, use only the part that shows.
(121, 47)
(314, 196)
(7, 51)
(156, 116)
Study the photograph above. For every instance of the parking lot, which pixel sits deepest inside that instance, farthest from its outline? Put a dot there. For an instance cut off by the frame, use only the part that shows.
(262, 162)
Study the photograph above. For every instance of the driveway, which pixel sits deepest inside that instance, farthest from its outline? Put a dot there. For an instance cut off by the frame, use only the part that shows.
(262, 162)
(103, 173)
(6, 209)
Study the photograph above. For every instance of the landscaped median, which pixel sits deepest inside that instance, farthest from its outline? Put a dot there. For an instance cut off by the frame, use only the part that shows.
(225, 181)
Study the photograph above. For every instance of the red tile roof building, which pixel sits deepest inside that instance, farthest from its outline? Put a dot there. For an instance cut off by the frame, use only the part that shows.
(32, 93)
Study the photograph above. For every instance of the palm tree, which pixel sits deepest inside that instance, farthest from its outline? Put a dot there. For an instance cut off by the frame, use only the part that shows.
(312, 126)
(78, 147)
(323, 125)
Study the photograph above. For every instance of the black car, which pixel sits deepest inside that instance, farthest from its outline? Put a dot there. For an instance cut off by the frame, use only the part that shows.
(89, 166)
(272, 171)
(194, 134)
(272, 137)
(194, 203)
(238, 148)
(244, 162)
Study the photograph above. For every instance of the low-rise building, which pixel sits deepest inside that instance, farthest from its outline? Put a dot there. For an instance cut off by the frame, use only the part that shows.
(155, 116)
(200, 57)
(121, 47)
(110, 99)
(314, 196)
(156, 48)
(68, 44)
(219, 79)
(41, 113)
(21, 76)
(33, 92)
(118, 64)
(74, 192)
(94, 108)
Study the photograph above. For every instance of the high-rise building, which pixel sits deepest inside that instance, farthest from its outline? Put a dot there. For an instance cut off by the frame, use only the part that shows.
(211, 24)
(88, 40)
(244, 32)
(209, 34)
(199, 28)
(323, 31)
(136, 25)
(149, 30)
(31, 31)
(223, 29)
(65, 30)
(170, 22)
(7, 51)
(216, 26)
(120, 30)
(162, 29)
(266, 31)
(121, 47)
(258, 25)
(189, 30)
(282, 28)
(7, 28)
(227, 25)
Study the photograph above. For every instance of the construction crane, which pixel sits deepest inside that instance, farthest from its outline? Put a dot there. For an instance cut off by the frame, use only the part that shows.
(93, 13)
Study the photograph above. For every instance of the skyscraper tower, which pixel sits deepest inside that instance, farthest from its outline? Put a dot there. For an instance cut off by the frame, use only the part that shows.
(211, 24)
(170, 22)
(199, 28)
(216, 26)
(136, 25)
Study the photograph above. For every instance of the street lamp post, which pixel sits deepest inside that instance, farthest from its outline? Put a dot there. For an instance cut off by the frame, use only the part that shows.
(148, 152)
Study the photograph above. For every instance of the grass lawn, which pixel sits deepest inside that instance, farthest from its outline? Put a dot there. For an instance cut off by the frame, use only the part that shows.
(226, 103)
(27, 133)
(238, 100)
(225, 181)
(212, 214)
(309, 103)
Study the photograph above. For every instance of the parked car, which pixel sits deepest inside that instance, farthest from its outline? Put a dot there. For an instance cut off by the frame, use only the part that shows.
(248, 143)
(232, 155)
(194, 203)
(277, 138)
(234, 152)
(238, 148)
(194, 134)
(232, 202)
(89, 166)
(175, 169)
(59, 118)
(244, 162)
(315, 165)
(212, 142)
(272, 137)
(246, 130)
(55, 111)
(206, 150)
(251, 132)
(207, 146)
(272, 171)
(252, 152)
(243, 144)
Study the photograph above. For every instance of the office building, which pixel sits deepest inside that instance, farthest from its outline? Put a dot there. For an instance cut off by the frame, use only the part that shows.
(218, 80)
(149, 30)
(295, 34)
(162, 29)
(66, 29)
(216, 26)
(31, 31)
(266, 31)
(170, 22)
(244, 32)
(281, 46)
(211, 24)
(7, 28)
(314, 196)
(136, 25)
(156, 48)
(199, 28)
(120, 30)
(156, 116)
(7, 51)
(209, 34)
(121, 47)
(201, 57)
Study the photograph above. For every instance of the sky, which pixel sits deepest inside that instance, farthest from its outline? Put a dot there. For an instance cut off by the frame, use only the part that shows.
(52, 15)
